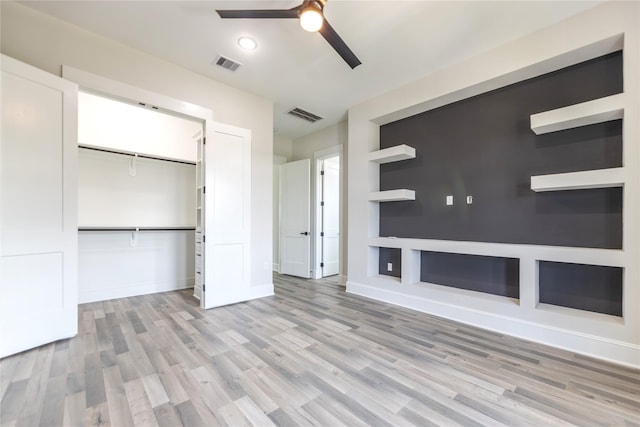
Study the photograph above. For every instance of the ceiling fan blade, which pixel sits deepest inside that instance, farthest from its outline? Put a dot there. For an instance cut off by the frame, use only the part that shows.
(260, 13)
(339, 45)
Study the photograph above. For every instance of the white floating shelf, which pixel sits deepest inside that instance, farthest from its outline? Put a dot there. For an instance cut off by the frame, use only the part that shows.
(587, 113)
(392, 195)
(600, 178)
(392, 154)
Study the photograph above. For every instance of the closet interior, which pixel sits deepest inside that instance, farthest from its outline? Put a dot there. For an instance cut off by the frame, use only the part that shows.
(137, 208)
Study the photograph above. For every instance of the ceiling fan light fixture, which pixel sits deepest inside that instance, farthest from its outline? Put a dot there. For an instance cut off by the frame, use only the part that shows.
(311, 18)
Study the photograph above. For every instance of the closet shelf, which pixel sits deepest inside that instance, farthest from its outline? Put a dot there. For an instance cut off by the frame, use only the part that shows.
(188, 228)
(392, 154)
(392, 195)
(130, 153)
(600, 178)
(583, 114)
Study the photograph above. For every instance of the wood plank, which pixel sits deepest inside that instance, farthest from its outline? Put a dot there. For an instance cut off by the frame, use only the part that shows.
(119, 412)
(139, 406)
(312, 355)
(253, 413)
(155, 390)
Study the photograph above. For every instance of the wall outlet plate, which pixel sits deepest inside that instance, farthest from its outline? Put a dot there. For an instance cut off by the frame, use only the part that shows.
(389, 266)
(449, 200)
(469, 200)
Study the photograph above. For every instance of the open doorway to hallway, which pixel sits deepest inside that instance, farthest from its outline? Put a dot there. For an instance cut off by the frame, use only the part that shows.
(329, 217)
(309, 215)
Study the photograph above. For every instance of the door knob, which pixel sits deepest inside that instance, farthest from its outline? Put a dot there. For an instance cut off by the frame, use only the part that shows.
(306, 233)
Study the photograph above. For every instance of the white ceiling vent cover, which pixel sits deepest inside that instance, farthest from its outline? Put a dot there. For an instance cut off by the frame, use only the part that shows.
(226, 63)
(305, 115)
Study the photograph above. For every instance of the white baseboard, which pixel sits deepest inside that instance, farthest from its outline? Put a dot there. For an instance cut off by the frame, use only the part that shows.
(130, 290)
(610, 350)
(343, 280)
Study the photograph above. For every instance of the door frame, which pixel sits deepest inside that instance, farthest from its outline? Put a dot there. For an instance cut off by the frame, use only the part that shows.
(113, 89)
(284, 228)
(316, 197)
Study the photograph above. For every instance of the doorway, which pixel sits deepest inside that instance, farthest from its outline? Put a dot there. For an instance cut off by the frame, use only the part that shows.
(328, 213)
(311, 243)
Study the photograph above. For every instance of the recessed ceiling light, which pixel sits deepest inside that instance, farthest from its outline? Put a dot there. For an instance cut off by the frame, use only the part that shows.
(247, 43)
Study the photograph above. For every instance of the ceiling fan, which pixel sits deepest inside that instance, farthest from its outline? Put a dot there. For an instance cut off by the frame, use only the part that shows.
(311, 19)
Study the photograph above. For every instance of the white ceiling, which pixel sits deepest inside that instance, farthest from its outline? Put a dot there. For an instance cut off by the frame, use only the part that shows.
(397, 42)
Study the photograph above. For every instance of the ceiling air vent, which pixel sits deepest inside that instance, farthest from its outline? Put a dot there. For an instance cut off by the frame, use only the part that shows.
(300, 113)
(226, 63)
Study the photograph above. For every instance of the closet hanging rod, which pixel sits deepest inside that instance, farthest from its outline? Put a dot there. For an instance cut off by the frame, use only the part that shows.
(136, 228)
(142, 156)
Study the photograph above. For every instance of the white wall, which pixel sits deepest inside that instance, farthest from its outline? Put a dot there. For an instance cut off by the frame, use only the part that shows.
(48, 43)
(104, 122)
(305, 146)
(282, 147)
(595, 32)
(119, 264)
(115, 190)
(277, 161)
(318, 142)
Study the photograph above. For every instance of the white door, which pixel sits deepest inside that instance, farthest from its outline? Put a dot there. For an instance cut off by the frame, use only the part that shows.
(227, 215)
(38, 212)
(331, 217)
(295, 197)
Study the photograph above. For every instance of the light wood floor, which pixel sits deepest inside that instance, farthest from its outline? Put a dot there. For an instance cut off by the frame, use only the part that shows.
(311, 355)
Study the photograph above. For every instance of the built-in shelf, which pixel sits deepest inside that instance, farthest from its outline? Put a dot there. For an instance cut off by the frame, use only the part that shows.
(392, 154)
(583, 114)
(600, 178)
(392, 195)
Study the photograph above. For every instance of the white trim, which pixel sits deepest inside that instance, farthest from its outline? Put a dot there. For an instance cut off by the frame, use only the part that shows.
(316, 255)
(610, 350)
(491, 72)
(93, 295)
(114, 89)
(117, 90)
(593, 256)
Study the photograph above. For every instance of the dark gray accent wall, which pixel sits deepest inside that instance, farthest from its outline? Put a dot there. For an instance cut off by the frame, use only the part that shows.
(392, 255)
(585, 287)
(492, 275)
(483, 147)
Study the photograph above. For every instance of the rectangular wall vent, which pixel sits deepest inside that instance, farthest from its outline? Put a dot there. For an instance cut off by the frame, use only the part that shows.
(226, 63)
(300, 113)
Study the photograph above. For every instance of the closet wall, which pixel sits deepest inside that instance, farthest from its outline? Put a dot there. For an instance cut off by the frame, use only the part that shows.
(49, 43)
(136, 199)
